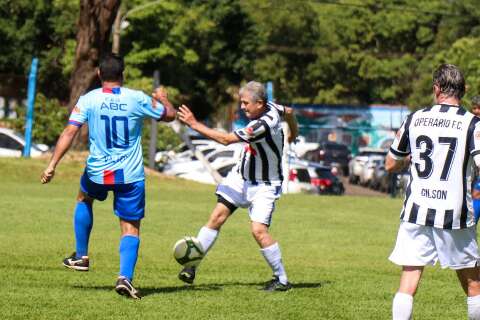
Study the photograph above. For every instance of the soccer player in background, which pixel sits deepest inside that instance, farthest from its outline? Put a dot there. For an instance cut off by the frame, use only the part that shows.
(115, 117)
(441, 144)
(255, 182)
(476, 187)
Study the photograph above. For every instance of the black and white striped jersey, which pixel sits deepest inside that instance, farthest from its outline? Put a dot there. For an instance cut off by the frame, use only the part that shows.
(261, 160)
(444, 144)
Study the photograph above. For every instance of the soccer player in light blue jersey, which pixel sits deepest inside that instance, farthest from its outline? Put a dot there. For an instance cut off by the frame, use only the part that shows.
(115, 117)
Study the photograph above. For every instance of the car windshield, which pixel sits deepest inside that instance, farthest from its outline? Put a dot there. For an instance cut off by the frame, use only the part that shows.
(324, 173)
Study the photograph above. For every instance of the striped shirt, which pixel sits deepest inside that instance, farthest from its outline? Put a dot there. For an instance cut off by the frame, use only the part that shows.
(261, 159)
(444, 144)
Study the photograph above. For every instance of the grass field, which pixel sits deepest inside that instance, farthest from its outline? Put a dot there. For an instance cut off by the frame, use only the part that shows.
(335, 251)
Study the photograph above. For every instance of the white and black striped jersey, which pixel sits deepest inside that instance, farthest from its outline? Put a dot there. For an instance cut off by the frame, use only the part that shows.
(444, 144)
(261, 160)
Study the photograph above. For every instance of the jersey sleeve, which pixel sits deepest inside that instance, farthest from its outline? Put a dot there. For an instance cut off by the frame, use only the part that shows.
(400, 147)
(147, 109)
(256, 129)
(79, 113)
(280, 109)
(474, 146)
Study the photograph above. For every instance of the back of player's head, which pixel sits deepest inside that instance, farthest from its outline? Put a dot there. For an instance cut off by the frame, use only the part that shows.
(256, 90)
(111, 68)
(475, 101)
(449, 80)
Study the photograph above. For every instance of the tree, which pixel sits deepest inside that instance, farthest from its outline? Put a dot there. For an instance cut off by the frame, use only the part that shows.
(94, 26)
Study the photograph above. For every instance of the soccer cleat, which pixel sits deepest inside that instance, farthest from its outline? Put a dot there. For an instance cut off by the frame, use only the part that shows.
(75, 263)
(276, 285)
(187, 275)
(125, 288)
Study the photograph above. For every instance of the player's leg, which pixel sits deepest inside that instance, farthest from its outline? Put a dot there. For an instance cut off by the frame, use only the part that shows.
(262, 205)
(470, 281)
(83, 222)
(129, 206)
(270, 250)
(414, 249)
(402, 306)
(208, 234)
(458, 250)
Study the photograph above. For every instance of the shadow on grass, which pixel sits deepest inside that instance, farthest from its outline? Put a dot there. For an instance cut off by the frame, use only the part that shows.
(146, 291)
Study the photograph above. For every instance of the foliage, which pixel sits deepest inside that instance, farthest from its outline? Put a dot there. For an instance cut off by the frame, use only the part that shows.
(50, 118)
(337, 52)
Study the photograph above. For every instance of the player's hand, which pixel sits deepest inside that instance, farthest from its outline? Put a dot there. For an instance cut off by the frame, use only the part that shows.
(292, 137)
(186, 116)
(47, 175)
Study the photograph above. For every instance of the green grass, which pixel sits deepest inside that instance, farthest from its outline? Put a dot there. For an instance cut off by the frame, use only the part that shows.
(335, 251)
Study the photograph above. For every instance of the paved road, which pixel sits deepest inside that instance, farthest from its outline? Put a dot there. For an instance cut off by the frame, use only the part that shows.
(357, 190)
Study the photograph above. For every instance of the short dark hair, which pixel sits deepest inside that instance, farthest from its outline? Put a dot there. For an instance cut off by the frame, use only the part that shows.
(450, 80)
(476, 101)
(111, 67)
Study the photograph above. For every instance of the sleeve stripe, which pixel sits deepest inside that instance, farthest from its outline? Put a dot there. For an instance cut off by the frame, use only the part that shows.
(75, 123)
(475, 153)
(240, 137)
(399, 153)
(403, 143)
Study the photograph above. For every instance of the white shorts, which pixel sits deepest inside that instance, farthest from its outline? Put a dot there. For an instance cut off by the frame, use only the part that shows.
(259, 198)
(419, 245)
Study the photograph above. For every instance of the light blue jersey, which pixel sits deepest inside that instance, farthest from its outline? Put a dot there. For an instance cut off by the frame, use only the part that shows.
(115, 119)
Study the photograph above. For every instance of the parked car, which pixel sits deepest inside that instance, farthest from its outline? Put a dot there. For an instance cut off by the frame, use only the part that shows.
(298, 181)
(13, 143)
(325, 181)
(366, 176)
(357, 164)
(330, 154)
(380, 179)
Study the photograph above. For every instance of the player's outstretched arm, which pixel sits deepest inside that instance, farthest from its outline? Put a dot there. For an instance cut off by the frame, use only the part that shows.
(161, 95)
(291, 120)
(63, 144)
(187, 117)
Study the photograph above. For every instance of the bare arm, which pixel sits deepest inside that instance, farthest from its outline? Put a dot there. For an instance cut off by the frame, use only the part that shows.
(393, 165)
(292, 124)
(63, 144)
(161, 95)
(187, 117)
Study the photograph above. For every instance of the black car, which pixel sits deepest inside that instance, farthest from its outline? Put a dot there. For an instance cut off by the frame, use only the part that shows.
(326, 182)
(330, 154)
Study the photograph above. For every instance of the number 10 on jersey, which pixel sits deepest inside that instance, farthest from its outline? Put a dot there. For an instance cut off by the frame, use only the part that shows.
(111, 133)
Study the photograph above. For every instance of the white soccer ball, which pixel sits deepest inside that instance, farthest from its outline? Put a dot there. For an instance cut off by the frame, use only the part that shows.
(188, 252)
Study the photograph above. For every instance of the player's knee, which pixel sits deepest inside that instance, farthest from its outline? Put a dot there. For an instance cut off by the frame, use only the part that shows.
(259, 233)
(473, 288)
(217, 220)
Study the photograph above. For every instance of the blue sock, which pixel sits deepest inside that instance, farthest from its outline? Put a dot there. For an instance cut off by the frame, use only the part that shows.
(476, 209)
(82, 222)
(128, 255)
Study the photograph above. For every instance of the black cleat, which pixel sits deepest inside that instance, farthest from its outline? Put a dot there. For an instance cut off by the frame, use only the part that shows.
(276, 285)
(187, 275)
(75, 263)
(125, 288)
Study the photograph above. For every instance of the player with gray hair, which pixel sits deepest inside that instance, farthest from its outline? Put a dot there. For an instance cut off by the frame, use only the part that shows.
(255, 182)
(441, 146)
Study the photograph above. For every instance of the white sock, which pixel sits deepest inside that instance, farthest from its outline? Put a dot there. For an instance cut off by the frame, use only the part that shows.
(473, 306)
(207, 238)
(274, 258)
(402, 307)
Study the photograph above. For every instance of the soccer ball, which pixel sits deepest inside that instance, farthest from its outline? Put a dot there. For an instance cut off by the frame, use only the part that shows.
(188, 251)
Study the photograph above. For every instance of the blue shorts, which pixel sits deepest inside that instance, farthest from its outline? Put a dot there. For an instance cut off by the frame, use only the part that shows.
(128, 201)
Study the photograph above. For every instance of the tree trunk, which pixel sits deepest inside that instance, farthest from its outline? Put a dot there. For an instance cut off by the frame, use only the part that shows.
(93, 35)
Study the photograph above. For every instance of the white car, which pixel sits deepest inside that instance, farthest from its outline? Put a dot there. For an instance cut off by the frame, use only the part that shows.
(357, 164)
(12, 145)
